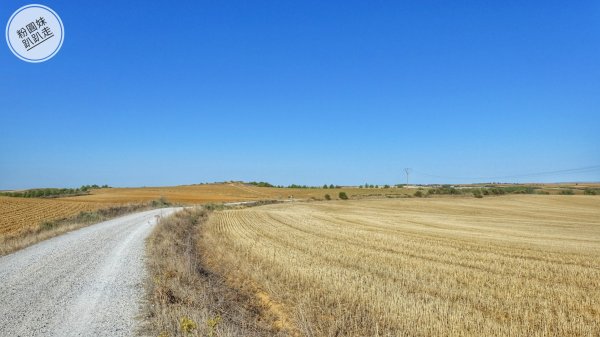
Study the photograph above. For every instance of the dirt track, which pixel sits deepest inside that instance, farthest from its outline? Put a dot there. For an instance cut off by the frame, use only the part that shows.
(84, 283)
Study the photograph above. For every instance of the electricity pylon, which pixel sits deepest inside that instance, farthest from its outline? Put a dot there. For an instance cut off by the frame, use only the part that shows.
(407, 171)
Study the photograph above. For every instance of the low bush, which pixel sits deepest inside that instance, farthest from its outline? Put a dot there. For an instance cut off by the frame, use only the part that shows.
(446, 189)
(214, 206)
(160, 202)
(47, 225)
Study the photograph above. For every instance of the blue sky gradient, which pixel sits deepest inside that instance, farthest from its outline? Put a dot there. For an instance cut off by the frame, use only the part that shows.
(147, 93)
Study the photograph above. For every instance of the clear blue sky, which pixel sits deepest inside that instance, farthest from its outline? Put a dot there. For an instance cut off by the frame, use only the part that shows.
(308, 92)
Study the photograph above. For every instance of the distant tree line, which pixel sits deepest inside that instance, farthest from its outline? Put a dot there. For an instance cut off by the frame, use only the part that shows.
(261, 184)
(312, 187)
(266, 184)
(382, 186)
(52, 192)
(91, 187)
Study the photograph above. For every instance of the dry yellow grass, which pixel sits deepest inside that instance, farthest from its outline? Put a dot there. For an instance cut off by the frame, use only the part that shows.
(181, 287)
(21, 214)
(522, 265)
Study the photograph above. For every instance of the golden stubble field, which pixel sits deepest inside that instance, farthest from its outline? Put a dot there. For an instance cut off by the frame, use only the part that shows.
(235, 191)
(18, 214)
(519, 265)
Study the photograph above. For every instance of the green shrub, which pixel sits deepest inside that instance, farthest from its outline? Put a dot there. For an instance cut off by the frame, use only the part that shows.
(47, 225)
(477, 194)
(497, 191)
(518, 189)
(212, 325)
(419, 194)
(327, 197)
(343, 196)
(187, 325)
(445, 189)
(160, 202)
(591, 191)
(88, 217)
(567, 192)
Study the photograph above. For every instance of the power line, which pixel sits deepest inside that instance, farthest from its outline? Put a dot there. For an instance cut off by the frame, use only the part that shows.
(586, 169)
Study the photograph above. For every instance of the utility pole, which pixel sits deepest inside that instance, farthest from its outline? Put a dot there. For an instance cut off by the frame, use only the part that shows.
(407, 171)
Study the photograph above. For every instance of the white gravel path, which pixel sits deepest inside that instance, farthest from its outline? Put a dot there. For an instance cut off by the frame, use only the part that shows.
(88, 282)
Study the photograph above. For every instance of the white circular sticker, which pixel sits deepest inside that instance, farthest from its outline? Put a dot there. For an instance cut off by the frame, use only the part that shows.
(35, 33)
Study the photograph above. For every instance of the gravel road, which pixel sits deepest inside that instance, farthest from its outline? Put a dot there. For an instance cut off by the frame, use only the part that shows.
(87, 282)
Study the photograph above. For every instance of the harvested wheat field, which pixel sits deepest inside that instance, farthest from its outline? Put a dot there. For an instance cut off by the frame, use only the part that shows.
(521, 265)
(236, 191)
(19, 214)
(226, 192)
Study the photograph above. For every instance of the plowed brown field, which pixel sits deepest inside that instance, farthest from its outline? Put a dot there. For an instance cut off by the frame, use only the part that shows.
(17, 214)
